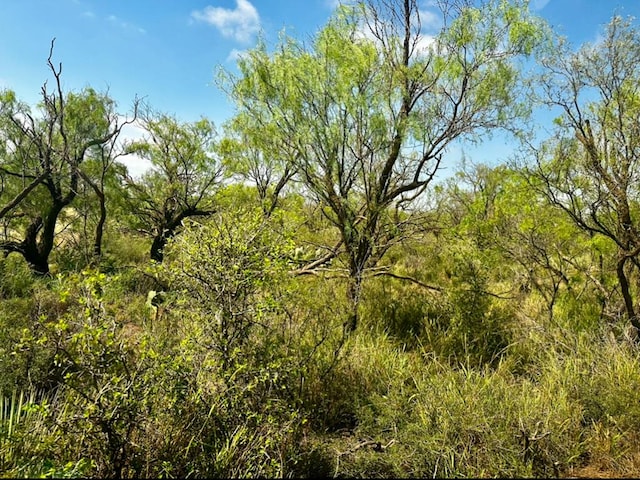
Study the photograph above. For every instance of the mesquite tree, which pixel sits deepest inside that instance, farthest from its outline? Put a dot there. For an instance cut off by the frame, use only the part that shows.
(366, 112)
(183, 176)
(591, 169)
(42, 157)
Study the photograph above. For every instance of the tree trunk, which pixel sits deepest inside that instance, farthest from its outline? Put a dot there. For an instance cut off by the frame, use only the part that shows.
(97, 244)
(353, 296)
(628, 299)
(36, 250)
(38, 264)
(32, 251)
(357, 264)
(624, 287)
(157, 247)
(359, 247)
(169, 229)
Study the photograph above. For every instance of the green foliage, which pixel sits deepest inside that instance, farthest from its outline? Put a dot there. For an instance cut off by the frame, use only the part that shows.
(461, 319)
(180, 184)
(43, 156)
(103, 386)
(417, 417)
(226, 267)
(477, 331)
(398, 309)
(588, 169)
(229, 282)
(19, 370)
(362, 123)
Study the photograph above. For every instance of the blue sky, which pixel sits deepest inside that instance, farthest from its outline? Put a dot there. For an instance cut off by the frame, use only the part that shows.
(168, 50)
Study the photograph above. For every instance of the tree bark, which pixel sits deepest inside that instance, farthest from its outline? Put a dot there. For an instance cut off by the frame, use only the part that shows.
(157, 246)
(169, 229)
(36, 250)
(23, 194)
(627, 297)
(97, 243)
(354, 289)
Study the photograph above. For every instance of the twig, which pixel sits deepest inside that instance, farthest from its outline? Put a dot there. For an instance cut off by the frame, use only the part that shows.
(410, 279)
(311, 267)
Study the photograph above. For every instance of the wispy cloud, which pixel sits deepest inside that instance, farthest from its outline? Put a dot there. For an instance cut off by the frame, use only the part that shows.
(235, 55)
(113, 20)
(118, 22)
(241, 23)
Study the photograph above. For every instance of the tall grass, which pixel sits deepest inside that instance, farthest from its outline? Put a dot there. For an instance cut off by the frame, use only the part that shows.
(27, 442)
(416, 415)
(11, 415)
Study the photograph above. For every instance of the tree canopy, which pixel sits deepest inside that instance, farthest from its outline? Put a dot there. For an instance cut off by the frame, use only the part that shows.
(591, 168)
(366, 112)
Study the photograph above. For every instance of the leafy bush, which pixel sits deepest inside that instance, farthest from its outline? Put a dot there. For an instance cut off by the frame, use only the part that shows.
(397, 308)
(228, 272)
(229, 282)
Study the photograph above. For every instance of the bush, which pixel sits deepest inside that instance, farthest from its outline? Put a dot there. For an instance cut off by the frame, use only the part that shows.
(603, 376)
(229, 282)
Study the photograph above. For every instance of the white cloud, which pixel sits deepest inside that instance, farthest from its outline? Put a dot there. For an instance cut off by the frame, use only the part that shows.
(235, 55)
(118, 22)
(136, 165)
(425, 45)
(241, 23)
(425, 41)
(430, 21)
(430, 26)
